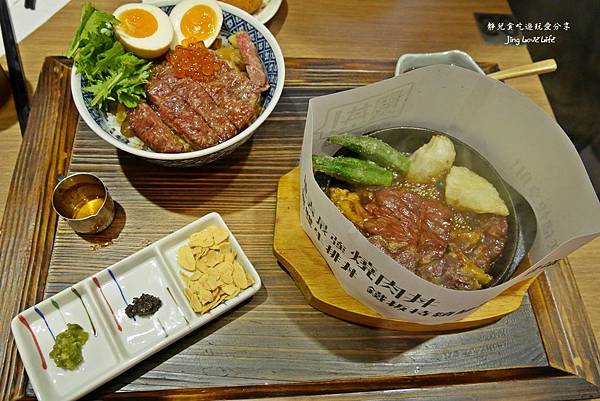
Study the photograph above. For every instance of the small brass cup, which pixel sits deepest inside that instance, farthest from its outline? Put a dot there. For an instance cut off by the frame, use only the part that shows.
(83, 201)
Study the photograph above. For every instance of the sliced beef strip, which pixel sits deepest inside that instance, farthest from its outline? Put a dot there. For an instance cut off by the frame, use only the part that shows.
(417, 233)
(163, 80)
(448, 272)
(486, 243)
(180, 116)
(148, 126)
(405, 254)
(197, 97)
(254, 67)
(236, 95)
(495, 234)
(435, 229)
(164, 72)
(407, 220)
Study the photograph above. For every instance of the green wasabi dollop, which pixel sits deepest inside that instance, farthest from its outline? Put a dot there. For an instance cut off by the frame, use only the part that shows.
(66, 352)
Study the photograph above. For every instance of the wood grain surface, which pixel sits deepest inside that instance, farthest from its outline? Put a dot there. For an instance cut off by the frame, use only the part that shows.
(276, 345)
(520, 384)
(28, 227)
(295, 251)
(380, 30)
(557, 306)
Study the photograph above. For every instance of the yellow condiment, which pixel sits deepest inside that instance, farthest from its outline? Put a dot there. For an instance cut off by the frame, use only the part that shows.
(87, 208)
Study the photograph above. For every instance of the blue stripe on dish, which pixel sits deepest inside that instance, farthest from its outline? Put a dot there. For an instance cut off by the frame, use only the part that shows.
(39, 312)
(112, 275)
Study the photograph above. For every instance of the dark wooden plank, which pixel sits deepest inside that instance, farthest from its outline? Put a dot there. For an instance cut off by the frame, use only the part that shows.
(515, 384)
(566, 330)
(28, 224)
(276, 339)
(543, 384)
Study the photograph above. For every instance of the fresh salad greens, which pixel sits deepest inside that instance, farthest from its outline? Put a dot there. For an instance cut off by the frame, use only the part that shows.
(112, 73)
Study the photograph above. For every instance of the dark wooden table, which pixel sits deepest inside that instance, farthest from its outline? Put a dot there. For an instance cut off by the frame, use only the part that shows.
(275, 345)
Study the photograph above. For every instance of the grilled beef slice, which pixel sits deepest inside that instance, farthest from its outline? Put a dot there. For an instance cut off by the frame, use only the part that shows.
(179, 115)
(197, 97)
(236, 95)
(485, 242)
(254, 67)
(148, 126)
(416, 229)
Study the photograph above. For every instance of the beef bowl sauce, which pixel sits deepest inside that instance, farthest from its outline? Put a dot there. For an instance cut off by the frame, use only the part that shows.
(412, 223)
(456, 232)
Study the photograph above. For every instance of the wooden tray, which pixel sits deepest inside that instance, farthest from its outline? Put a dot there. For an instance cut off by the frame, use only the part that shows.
(276, 345)
(294, 249)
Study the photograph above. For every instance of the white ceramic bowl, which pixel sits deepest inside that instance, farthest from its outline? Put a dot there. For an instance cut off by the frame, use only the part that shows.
(410, 61)
(234, 20)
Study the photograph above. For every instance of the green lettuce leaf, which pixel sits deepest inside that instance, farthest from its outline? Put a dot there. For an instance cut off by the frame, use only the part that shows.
(112, 74)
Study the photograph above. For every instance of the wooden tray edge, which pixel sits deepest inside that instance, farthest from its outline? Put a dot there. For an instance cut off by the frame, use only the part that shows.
(29, 224)
(564, 325)
(552, 384)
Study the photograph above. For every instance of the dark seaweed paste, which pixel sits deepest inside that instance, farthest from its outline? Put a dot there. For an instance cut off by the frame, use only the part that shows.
(145, 305)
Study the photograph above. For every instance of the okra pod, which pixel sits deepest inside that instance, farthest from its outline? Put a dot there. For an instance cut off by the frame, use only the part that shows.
(354, 171)
(374, 150)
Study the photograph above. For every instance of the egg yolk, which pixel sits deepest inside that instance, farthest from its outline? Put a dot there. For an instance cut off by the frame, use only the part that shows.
(198, 22)
(137, 23)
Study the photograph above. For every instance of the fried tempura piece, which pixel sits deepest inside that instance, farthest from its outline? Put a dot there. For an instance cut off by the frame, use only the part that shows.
(468, 191)
(431, 160)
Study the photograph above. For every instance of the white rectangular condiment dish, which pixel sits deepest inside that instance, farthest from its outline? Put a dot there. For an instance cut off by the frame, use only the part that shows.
(98, 303)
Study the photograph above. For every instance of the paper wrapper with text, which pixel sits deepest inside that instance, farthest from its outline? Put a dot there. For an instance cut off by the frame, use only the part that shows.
(525, 145)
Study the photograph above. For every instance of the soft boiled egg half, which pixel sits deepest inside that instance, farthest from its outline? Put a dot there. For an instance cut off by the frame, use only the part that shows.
(196, 21)
(143, 29)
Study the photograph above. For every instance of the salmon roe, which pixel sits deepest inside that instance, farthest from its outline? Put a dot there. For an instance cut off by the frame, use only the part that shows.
(195, 61)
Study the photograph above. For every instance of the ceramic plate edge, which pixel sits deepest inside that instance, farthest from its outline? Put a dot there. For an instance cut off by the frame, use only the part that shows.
(268, 11)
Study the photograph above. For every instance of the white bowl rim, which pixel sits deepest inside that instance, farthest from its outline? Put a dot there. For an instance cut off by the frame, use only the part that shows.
(405, 58)
(83, 111)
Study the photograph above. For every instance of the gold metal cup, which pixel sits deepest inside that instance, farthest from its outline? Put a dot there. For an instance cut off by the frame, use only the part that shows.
(83, 201)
